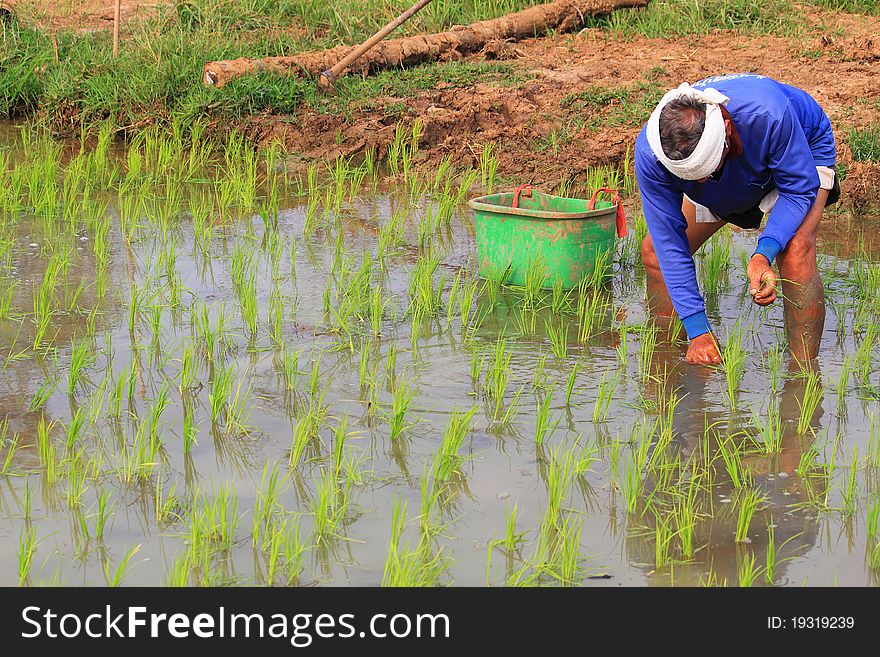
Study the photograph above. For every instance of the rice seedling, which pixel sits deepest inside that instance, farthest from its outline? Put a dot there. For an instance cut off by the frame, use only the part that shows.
(843, 383)
(849, 490)
(750, 501)
(449, 460)
(621, 349)
(570, 382)
(12, 445)
(558, 339)
(27, 548)
(604, 395)
(814, 391)
(103, 514)
(769, 430)
(590, 310)
(748, 572)
(733, 361)
(401, 398)
(872, 519)
(115, 578)
(873, 456)
(560, 301)
(544, 424)
(488, 167)
(220, 389)
(407, 566)
(733, 464)
(497, 375)
(43, 394)
(305, 433)
(535, 276)
(647, 346)
(290, 367)
(588, 455)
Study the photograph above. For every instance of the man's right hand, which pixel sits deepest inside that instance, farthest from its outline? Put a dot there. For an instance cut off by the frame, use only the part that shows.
(704, 350)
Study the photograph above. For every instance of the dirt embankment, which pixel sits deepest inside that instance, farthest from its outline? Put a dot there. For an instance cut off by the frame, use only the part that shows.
(82, 15)
(543, 131)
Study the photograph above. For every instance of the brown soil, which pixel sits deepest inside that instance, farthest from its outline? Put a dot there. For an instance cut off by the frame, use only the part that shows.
(82, 15)
(840, 72)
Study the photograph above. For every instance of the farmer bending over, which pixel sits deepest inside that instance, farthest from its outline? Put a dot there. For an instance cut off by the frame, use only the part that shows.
(728, 150)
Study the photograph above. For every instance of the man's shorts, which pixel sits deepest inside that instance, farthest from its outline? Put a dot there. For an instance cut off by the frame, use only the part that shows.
(753, 217)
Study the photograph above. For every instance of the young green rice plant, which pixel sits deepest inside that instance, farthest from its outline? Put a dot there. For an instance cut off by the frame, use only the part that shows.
(773, 364)
(570, 382)
(814, 391)
(560, 301)
(647, 346)
(872, 520)
(685, 510)
(238, 411)
(587, 456)
(449, 460)
(733, 463)
(544, 423)
(604, 395)
(488, 166)
(497, 376)
(102, 515)
(290, 367)
(27, 548)
(748, 572)
(769, 430)
(405, 565)
(590, 308)
(218, 394)
(750, 501)
(663, 536)
(330, 506)
(873, 440)
(276, 317)
(43, 393)
(12, 445)
(716, 261)
(864, 358)
(46, 451)
(75, 426)
(305, 433)
(558, 339)
(81, 358)
(733, 361)
(536, 274)
(401, 398)
(849, 492)
(115, 578)
(843, 383)
(621, 350)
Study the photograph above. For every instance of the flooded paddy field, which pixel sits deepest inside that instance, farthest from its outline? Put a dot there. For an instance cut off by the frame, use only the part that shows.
(216, 372)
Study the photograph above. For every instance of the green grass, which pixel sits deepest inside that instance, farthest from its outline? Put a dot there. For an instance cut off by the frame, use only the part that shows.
(157, 75)
(865, 142)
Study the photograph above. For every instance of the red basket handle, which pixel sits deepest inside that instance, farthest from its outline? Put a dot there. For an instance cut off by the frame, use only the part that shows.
(620, 219)
(525, 190)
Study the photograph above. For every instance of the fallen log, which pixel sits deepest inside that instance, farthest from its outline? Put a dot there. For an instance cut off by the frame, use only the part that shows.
(563, 16)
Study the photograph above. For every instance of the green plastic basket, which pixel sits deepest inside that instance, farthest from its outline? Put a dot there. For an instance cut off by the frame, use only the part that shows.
(518, 232)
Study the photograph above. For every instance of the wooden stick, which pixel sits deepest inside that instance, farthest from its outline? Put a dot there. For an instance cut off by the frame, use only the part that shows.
(329, 76)
(116, 9)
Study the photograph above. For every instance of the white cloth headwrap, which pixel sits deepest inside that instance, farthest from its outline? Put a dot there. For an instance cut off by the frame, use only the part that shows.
(707, 155)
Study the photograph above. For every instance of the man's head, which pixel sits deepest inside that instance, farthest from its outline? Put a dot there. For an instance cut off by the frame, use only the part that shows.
(688, 132)
(682, 122)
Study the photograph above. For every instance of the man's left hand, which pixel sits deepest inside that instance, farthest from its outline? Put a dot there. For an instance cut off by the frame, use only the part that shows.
(762, 280)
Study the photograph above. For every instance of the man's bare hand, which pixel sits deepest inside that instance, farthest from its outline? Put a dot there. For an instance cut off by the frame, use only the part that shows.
(762, 280)
(704, 350)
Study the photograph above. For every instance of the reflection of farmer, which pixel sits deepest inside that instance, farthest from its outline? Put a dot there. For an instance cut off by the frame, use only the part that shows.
(730, 149)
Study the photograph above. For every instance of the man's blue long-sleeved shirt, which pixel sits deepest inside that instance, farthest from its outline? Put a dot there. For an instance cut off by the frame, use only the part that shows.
(785, 135)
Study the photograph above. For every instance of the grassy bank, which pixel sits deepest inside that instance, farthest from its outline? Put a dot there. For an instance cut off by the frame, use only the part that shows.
(156, 78)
